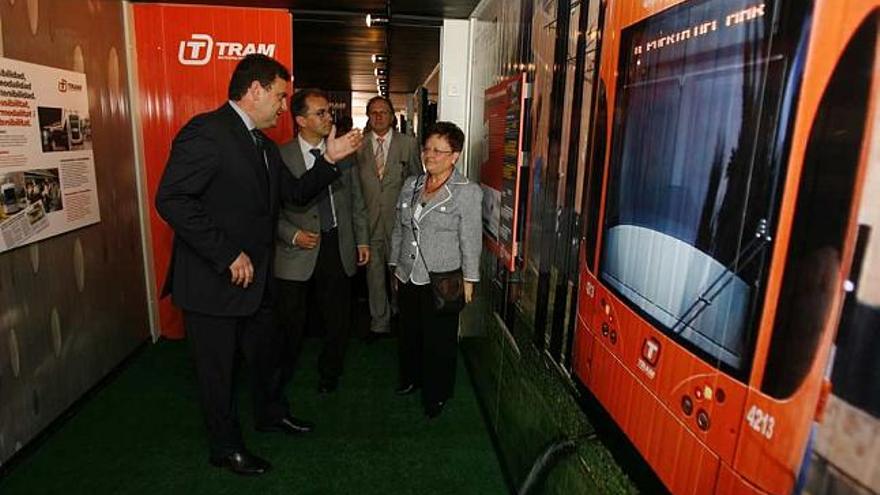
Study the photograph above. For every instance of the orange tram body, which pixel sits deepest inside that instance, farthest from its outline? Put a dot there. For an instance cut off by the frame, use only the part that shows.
(720, 219)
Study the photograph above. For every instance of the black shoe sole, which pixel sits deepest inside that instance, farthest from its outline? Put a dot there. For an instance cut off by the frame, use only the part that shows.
(434, 410)
(288, 431)
(227, 466)
(406, 390)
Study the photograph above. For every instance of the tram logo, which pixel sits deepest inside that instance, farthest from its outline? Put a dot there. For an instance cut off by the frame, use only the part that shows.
(200, 49)
(64, 86)
(196, 51)
(651, 351)
(650, 356)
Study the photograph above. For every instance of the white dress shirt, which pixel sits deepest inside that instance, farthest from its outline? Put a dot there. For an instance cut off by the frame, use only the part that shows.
(309, 160)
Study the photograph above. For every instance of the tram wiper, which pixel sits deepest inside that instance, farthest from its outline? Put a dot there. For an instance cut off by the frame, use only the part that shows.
(708, 296)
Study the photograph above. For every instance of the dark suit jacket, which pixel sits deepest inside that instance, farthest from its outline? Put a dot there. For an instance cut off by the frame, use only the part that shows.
(219, 198)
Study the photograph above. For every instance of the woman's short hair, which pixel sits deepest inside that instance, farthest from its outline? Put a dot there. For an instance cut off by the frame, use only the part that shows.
(448, 131)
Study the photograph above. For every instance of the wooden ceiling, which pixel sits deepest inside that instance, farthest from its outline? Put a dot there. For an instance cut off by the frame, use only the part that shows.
(332, 45)
(335, 54)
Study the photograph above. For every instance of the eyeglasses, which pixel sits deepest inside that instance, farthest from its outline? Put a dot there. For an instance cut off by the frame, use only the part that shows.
(435, 151)
(320, 113)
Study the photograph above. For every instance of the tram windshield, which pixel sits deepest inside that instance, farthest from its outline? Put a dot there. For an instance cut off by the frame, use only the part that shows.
(689, 184)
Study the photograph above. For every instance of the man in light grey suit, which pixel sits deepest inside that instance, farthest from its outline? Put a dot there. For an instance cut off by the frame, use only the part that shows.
(384, 162)
(319, 246)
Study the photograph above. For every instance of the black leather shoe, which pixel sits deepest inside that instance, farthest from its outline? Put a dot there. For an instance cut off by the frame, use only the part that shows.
(327, 385)
(374, 336)
(289, 425)
(434, 409)
(242, 462)
(405, 389)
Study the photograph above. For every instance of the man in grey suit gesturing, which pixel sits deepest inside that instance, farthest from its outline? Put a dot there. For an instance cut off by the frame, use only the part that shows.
(319, 246)
(385, 161)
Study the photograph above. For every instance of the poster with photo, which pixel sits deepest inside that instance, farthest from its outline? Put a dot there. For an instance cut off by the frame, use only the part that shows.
(500, 171)
(47, 169)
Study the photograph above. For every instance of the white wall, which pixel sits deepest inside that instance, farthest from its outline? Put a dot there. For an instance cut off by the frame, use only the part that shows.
(452, 101)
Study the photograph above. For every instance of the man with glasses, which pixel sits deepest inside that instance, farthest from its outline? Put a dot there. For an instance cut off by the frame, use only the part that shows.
(385, 161)
(319, 246)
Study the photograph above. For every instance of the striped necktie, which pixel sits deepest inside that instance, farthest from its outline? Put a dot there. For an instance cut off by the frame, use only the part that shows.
(380, 157)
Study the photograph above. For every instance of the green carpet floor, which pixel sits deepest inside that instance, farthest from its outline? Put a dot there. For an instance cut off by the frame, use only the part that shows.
(143, 434)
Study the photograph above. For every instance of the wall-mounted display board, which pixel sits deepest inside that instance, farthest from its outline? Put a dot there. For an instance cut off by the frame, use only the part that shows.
(47, 169)
(502, 162)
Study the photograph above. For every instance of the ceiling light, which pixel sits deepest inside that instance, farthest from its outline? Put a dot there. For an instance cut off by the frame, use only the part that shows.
(379, 57)
(381, 80)
(375, 20)
(380, 71)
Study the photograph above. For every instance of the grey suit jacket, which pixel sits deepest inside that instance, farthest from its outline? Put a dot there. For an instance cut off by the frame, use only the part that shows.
(450, 230)
(294, 263)
(403, 159)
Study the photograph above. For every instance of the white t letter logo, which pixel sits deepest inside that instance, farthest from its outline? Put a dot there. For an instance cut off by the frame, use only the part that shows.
(651, 351)
(197, 51)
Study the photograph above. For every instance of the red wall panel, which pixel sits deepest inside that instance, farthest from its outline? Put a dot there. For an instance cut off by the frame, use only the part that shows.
(185, 55)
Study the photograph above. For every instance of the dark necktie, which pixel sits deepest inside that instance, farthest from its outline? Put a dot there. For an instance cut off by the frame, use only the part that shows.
(325, 208)
(260, 142)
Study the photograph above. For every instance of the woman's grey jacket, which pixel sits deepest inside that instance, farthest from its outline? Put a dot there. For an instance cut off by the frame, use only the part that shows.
(449, 230)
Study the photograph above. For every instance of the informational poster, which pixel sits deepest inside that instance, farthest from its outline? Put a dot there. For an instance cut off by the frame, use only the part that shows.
(47, 169)
(500, 173)
(185, 56)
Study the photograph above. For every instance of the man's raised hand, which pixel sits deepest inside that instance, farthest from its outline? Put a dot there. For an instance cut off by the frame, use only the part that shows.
(342, 146)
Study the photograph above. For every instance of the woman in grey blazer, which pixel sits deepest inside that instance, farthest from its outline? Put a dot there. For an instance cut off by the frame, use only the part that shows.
(439, 214)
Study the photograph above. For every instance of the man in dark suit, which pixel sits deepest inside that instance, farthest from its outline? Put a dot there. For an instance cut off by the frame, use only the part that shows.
(384, 162)
(220, 193)
(320, 245)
